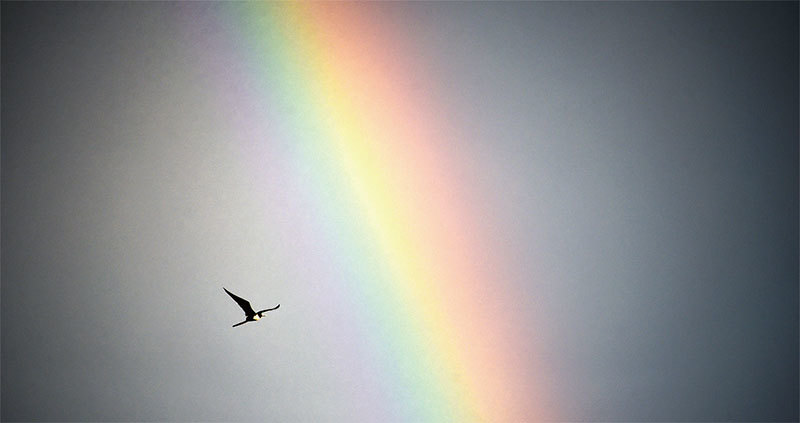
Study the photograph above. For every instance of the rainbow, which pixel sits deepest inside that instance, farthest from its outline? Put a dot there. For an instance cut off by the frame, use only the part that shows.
(380, 166)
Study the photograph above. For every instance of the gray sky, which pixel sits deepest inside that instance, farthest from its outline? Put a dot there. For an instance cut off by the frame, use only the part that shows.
(638, 161)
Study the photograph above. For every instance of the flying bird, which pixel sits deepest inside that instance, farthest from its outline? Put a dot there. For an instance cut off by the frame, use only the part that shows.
(250, 315)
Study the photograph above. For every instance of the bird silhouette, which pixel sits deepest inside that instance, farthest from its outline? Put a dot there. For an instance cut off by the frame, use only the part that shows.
(250, 314)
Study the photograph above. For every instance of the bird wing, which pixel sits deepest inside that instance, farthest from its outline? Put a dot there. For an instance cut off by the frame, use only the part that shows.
(244, 304)
(269, 309)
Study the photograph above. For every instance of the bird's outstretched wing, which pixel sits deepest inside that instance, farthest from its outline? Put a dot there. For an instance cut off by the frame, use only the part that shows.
(244, 304)
(269, 309)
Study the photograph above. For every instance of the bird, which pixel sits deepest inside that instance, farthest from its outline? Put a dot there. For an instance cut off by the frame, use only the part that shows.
(250, 315)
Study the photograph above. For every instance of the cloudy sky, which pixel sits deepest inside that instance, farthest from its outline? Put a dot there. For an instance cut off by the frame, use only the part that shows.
(632, 168)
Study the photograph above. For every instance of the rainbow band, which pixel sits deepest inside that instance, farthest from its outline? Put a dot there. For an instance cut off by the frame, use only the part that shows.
(380, 166)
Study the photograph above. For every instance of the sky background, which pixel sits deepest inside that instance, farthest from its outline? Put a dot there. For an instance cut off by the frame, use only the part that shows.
(633, 165)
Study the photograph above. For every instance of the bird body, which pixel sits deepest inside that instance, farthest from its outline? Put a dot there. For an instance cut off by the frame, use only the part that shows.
(250, 314)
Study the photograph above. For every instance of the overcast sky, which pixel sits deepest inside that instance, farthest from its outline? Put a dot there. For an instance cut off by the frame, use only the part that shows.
(638, 161)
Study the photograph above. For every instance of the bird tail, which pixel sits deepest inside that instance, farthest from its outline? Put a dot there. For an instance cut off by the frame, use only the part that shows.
(240, 323)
